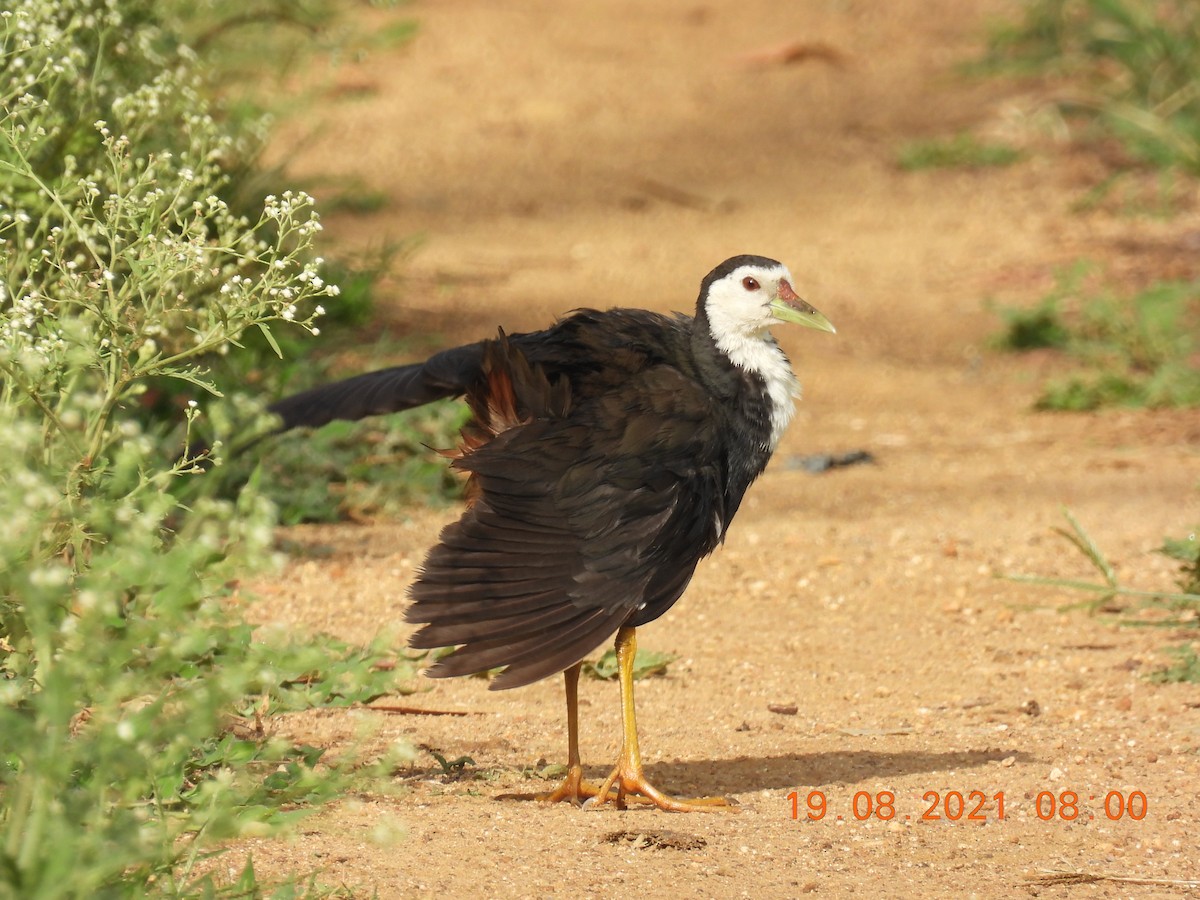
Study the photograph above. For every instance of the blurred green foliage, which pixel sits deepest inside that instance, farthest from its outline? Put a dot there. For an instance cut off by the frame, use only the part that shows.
(646, 664)
(1133, 67)
(137, 704)
(963, 151)
(363, 470)
(1137, 350)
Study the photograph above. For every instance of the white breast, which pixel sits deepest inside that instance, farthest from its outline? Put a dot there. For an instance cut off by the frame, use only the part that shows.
(740, 319)
(761, 355)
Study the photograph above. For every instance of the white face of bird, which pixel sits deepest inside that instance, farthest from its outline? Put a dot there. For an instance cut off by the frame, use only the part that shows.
(741, 306)
(751, 298)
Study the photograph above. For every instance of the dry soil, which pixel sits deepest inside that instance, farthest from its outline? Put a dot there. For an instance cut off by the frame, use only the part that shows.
(609, 152)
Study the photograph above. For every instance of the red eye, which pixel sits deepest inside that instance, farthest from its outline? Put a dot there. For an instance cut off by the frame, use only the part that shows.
(750, 284)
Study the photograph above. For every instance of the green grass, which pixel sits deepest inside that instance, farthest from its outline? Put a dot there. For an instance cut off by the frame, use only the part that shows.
(1134, 350)
(1038, 327)
(1132, 67)
(1186, 551)
(963, 151)
(361, 470)
(1185, 669)
(646, 664)
(1178, 609)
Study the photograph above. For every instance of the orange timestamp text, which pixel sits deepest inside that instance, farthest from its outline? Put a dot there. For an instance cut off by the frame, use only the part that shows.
(972, 806)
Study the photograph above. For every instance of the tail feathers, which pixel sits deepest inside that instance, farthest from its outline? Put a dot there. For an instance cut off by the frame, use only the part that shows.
(506, 605)
(467, 630)
(499, 584)
(453, 610)
(528, 656)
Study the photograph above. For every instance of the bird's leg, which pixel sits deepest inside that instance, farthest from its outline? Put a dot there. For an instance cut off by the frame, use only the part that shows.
(573, 788)
(628, 777)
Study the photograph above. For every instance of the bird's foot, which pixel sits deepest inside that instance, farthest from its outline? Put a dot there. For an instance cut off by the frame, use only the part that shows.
(572, 789)
(631, 782)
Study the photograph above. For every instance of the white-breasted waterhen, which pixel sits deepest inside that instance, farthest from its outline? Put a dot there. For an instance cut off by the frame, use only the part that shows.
(607, 455)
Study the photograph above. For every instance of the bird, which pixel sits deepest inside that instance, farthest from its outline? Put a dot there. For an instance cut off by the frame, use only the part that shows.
(606, 455)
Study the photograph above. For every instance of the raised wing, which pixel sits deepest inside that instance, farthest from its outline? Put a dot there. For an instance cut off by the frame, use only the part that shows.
(581, 523)
(447, 374)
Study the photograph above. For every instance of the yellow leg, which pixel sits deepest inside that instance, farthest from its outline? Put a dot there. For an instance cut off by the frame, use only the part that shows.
(573, 788)
(628, 777)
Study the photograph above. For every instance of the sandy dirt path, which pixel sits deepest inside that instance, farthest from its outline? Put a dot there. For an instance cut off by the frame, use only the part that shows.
(557, 155)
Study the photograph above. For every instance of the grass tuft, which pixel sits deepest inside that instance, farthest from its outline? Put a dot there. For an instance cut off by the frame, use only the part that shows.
(1137, 350)
(646, 664)
(963, 151)
(1176, 609)
(1185, 669)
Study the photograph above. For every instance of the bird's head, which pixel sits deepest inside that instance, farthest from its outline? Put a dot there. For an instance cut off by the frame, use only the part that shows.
(745, 295)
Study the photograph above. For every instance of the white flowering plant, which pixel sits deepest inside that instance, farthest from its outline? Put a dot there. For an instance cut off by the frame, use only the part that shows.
(124, 655)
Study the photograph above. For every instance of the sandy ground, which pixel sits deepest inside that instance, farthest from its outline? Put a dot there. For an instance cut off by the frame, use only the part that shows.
(561, 154)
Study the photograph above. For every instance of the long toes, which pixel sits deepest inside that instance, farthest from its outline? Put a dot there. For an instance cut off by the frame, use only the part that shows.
(577, 794)
(572, 789)
(635, 786)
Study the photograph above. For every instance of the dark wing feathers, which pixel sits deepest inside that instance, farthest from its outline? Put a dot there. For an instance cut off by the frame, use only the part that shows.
(451, 609)
(531, 621)
(446, 374)
(595, 459)
(576, 528)
(535, 655)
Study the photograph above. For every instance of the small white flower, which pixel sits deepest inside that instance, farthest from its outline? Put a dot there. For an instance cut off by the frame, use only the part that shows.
(48, 576)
